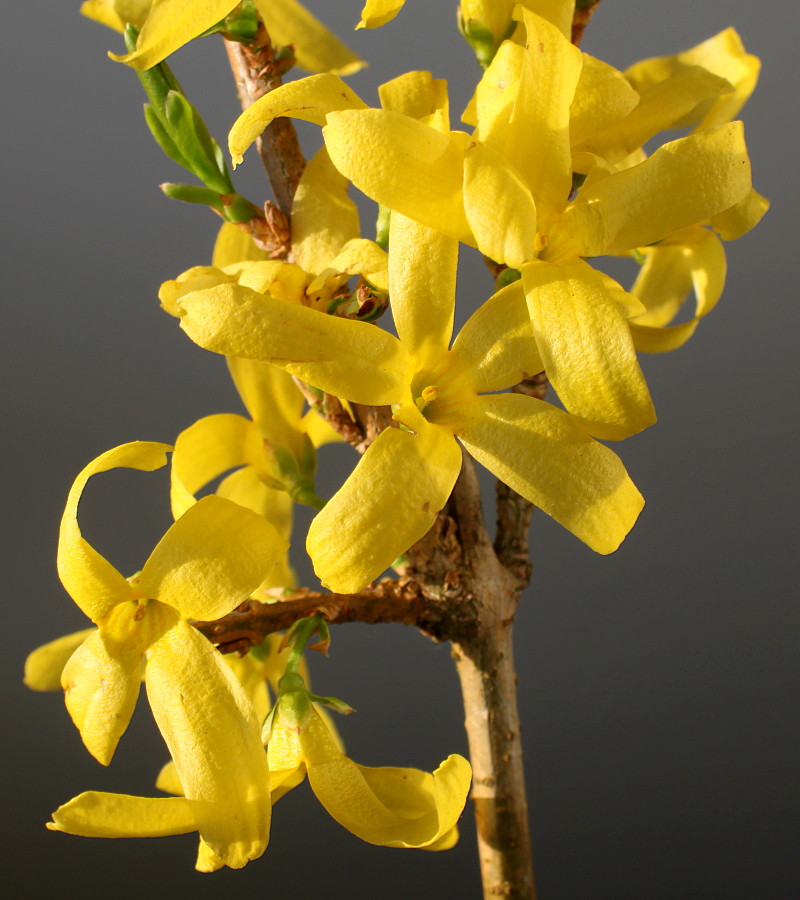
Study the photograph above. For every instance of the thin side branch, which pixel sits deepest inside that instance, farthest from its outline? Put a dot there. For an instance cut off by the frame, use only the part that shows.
(387, 601)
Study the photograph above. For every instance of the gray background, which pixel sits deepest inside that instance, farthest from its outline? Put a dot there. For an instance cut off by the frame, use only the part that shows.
(658, 686)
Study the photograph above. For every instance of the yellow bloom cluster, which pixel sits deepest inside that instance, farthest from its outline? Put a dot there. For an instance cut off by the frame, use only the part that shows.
(553, 174)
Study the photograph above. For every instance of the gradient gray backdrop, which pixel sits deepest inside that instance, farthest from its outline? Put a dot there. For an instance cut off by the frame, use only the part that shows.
(658, 686)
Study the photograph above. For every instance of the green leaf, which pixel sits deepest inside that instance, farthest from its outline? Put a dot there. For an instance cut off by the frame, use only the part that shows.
(192, 193)
(162, 137)
(190, 134)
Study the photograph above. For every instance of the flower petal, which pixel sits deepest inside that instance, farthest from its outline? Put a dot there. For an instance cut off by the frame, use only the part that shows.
(545, 454)
(350, 359)
(741, 217)
(390, 807)
(586, 347)
(205, 450)
(324, 218)
(603, 95)
(500, 209)
(378, 12)
(416, 94)
(310, 99)
(682, 183)
(389, 501)
(315, 47)
(234, 245)
(211, 559)
(538, 144)
(44, 665)
(171, 24)
(92, 582)
(408, 166)
(495, 348)
(422, 286)
(97, 814)
(101, 683)
(214, 737)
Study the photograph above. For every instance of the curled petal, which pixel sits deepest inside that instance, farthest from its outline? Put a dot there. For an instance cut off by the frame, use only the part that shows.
(44, 665)
(391, 807)
(92, 582)
(545, 454)
(214, 738)
(684, 182)
(310, 99)
(211, 559)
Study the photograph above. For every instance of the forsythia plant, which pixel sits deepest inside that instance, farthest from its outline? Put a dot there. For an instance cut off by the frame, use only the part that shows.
(560, 165)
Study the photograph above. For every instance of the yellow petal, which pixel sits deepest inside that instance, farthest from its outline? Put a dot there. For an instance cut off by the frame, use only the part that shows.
(557, 12)
(214, 737)
(500, 209)
(388, 502)
(378, 12)
(602, 96)
(103, 11)
(324, 218)
(660, 108)
(273, 401)
(97, 814)
(92, 582)
(682, 183)
(363, 257)
(350, 359)
(586, 347)
(416, 94)
(44, 665)
(408, 166)
(422, 285)
(538, 144)
(668, 274)
(544, 454)
(207, 860)
(101, 683)
(390, 807)
(310, 99)
(741, 217)
(495, 94)
(316, 48)
(205, 450)
(170, 25)
(247, 489)
(168, 780)
(234, 245)
(211, 559)
(724, 55)
(495, 349)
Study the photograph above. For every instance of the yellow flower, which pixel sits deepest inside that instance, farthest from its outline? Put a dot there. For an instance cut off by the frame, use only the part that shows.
(406, 476)
(209, 560)
(167, 25)
(388, 806)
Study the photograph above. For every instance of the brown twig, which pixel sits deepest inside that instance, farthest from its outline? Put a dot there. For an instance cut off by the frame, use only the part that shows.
(389, 600)
(257, 72)
(584, 10)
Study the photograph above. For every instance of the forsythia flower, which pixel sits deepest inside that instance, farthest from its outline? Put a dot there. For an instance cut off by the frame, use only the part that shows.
(406, 476)
(392, 807)
(204, 566)
(167, 25)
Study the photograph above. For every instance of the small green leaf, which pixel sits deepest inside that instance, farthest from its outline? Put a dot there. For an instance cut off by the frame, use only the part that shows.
(192, 193)
(190, 134)
(161, 135)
